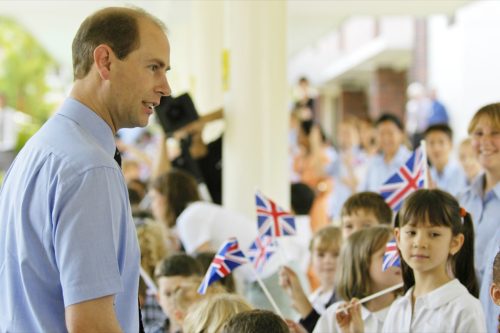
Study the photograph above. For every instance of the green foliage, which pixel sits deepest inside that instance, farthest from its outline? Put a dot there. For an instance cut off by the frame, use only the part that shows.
(24, 66)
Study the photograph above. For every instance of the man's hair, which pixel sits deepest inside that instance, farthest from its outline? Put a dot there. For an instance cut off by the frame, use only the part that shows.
(178, 265)
(369, 202)
(302, 198)
(117, 27)
(496, 269)
(443, 128)
(255, 321)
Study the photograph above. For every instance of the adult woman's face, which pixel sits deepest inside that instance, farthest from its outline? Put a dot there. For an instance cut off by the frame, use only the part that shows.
(486, 144)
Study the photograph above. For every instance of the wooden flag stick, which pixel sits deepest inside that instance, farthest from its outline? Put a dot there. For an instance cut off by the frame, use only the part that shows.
(268, 294)
(148, 281)
(373, 296)
(424, 157)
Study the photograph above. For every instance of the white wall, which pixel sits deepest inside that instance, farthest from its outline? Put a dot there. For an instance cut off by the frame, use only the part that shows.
(464, 61)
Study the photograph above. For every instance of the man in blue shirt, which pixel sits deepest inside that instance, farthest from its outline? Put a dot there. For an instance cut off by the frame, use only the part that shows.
(69, 257)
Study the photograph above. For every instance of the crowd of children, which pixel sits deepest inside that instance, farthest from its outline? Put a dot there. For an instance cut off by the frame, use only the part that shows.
(447, 237)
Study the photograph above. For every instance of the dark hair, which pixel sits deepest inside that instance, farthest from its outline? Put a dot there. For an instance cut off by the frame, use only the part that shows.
(117, 27)
(302, 197)
(443, 128)
(255, 321)
(369, 202)
(179, 264)
(179, 189)
(205, 259)
(496, 269)
(440, 208)
(391, 118)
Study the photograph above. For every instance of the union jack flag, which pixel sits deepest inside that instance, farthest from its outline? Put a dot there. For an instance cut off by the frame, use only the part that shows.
(409, 178)
(391, 256)
(261, 250)
(225, 261)
(272, 220)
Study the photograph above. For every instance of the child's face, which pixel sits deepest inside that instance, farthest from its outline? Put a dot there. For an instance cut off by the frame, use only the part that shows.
(389, 137)
(158, 205)
(438, 147)
(324, 263)
(495, 293)
(167, 287)
(360, 219)
(469, 161)
(426, 248)
(381, 279)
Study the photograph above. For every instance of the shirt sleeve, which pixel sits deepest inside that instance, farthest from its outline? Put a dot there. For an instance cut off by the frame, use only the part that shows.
(89, 216)
(309, 322)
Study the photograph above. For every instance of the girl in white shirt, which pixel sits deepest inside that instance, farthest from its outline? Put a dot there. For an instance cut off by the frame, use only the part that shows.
(361, 275)
(435, 240)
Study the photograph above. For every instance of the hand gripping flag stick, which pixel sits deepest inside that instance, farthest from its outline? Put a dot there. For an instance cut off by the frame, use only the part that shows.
(373, 296)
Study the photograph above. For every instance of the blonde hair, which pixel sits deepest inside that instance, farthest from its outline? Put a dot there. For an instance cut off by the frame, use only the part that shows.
(326, 238)
(353, 278)
(210, 314)
(152, 242)
(490, 111)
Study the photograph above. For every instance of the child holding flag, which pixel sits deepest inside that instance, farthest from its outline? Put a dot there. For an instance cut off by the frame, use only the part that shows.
(434, 234)
(360, 274)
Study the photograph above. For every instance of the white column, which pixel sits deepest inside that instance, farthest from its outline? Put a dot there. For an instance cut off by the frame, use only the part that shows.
(255, 141)
(206, 57)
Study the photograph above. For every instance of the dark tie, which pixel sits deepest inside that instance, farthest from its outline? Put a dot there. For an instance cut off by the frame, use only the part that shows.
(118, 157)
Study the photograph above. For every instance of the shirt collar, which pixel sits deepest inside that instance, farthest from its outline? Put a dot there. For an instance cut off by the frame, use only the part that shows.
(477, 186)
(438, 297)
(90, 122)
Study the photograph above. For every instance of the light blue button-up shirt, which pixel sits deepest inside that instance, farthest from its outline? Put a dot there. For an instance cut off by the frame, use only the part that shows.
(485, 212)
(379, 171)
(452, 179)
(66, 230)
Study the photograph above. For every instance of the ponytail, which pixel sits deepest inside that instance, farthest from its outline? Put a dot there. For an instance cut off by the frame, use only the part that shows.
(463, 261)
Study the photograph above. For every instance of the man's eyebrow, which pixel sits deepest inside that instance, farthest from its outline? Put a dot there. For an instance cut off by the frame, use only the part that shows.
(160, 63)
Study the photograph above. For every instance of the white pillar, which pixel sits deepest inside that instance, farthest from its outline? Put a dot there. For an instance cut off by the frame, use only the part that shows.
(255, 141)
(206, 57)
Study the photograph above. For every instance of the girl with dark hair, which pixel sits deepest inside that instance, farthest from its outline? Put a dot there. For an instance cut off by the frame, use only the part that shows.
(435, 237)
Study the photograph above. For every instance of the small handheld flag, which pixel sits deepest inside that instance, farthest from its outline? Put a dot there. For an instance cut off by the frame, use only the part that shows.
(391, 256)
(409, 178)
(261, 250)
(272, 220)
(225, 261)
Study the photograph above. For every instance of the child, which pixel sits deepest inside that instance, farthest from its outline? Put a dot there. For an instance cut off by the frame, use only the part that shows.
(364, 210)
(495, 285)
(360, 275)
(325, 248)
(468, 160)
(211, 313)
(434, 236)
(171, 274)
(255, 321)
(445, 172)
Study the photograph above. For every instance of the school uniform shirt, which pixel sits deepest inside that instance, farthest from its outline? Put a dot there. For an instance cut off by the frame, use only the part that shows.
(379, 171)
(66, 228)
(485, 212)
(491, 310)
(373, 321)
(449, 308)
(452, 179)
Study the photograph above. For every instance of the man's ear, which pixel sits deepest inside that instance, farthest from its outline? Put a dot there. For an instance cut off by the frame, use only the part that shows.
(102, 60)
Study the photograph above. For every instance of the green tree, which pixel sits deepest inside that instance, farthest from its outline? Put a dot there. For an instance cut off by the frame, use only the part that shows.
(24, 67)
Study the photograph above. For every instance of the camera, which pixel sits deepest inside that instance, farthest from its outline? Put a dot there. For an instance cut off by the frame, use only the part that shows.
(175, 113)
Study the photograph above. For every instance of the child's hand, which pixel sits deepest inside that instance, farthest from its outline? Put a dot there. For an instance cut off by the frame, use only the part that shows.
(289, 281)
(295, 327)
(349, 320)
